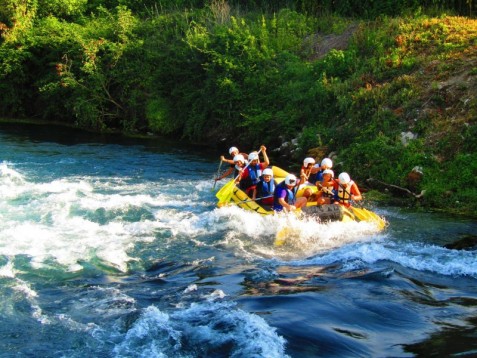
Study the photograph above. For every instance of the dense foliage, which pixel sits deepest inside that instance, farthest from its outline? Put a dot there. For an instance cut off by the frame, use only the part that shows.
(354, 78)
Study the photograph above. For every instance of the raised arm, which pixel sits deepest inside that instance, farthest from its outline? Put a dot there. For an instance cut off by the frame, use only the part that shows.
(230, 161)
(265, 156)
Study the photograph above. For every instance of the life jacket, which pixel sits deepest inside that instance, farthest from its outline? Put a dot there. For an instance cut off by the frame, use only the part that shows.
(344, 194)
(319, 176)
(265, 189)
(328, 191)
(312, 178)
(254, 173)
(289, 198)
(253, 177)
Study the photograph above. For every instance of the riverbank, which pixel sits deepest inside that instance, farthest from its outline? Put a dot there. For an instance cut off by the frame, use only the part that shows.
(390, 98)
(373, 197)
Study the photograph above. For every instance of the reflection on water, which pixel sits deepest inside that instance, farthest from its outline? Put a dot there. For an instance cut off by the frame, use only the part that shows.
(450, 341)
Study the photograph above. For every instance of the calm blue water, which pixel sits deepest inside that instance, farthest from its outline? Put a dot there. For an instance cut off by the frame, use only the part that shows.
(117, 250)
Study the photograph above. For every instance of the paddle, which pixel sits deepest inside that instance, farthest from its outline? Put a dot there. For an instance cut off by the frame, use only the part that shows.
(281, 236)
(363, 214)
(286, 232)
(358, 214)
(216, 176)
(348, 214)
(225, 193)
(366, 215)
(256, 199)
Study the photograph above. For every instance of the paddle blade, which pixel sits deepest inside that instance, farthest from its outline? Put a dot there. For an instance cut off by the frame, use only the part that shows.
(348, 215)
(225, 193)
(366, 215)
(281, 236)
(378, 220)
(360, 214)
(289, 231)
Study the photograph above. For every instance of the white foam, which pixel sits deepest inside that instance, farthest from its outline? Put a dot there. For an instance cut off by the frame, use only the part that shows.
(416, 256)
(24, 290)
(216, 294)
(191, 288)
(424, 257)
(10, 181)
(7, 271)
(210, 325)
(59, 221)
(310, 242)
(9, 175)
(80, 218)
(303, 236)
(52, 221)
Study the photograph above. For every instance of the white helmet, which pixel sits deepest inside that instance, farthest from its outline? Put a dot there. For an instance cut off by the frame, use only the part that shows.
(239, 158)
(329, 171)
(344, 178)
(253, 156)
(290, 179)
(327, 163)
(267, 171)
(233, 149)
(308, 161)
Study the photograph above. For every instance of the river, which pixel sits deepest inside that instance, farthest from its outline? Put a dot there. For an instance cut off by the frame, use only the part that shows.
(114, 248)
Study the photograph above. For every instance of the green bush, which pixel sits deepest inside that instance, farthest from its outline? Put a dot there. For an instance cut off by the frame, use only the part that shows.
(453, 184)
(68, 9)
(249, 72)
(386, 160)
(157, 114)
(337, 63)
(14, 81)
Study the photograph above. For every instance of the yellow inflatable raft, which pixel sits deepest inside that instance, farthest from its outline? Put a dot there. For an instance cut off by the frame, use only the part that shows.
(230, 194)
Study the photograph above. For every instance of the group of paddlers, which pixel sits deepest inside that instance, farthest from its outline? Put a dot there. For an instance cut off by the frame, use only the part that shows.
(316, 182)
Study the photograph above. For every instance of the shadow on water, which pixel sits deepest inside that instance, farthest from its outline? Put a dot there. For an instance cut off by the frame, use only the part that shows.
(451, 341)
(332, 311)
(463, 242)
(71, 136)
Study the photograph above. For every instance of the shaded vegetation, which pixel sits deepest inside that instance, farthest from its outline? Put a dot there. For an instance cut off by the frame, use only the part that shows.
(387, 86)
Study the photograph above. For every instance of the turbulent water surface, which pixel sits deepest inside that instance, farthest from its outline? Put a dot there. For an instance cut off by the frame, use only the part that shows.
(117, 250)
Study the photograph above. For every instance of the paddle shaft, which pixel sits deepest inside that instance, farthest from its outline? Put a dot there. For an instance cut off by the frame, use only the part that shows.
(248, 200)
(218, 172)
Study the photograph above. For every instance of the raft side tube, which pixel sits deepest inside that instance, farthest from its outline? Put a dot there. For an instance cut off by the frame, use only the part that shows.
(279, 172)
(241, 199)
